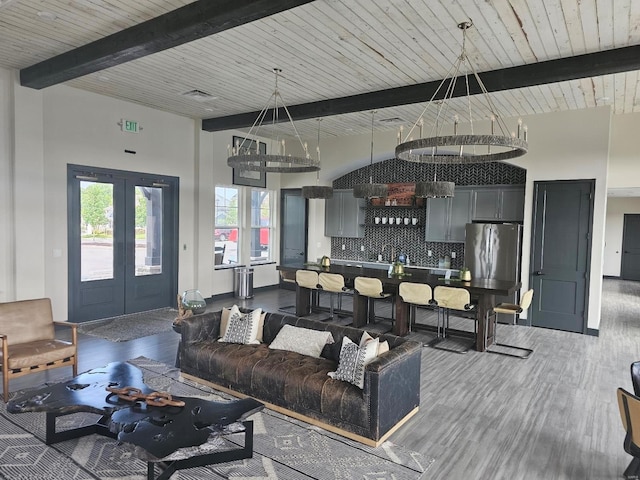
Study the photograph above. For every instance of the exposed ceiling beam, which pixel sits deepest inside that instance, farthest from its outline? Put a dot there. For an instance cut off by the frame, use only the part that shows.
(191, 22)
(550, 71)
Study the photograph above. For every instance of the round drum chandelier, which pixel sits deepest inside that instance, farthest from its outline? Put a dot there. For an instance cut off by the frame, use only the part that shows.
(452, 147)
(243, 157)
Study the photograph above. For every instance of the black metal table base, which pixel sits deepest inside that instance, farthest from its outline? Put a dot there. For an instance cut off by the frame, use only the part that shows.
(52, 436)
(169, 468)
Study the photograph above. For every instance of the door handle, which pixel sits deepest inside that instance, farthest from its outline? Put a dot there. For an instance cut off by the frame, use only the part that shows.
(301, 253)
(539, 273)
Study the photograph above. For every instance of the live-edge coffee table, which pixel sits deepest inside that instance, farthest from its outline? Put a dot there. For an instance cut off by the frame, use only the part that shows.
(159, 430)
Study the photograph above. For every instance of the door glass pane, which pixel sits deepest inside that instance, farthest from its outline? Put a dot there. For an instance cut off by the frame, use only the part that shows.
(96, 231)
(148, 230)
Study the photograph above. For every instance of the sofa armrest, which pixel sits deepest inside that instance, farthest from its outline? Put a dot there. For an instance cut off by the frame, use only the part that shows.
(392, 386)
(200, 328)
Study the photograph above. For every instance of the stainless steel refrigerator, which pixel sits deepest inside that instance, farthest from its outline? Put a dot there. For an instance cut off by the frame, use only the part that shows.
(493, 250)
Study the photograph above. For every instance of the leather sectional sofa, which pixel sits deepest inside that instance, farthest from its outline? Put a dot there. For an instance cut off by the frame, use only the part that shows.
(298, 385)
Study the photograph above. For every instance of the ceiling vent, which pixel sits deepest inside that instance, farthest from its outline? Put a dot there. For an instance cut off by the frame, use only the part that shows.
(199, 95)
(391, 120)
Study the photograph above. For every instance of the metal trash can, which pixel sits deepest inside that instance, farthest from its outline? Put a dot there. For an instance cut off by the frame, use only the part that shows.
(243, 282)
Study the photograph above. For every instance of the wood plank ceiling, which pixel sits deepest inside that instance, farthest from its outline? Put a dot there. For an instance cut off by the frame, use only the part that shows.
(336, 48)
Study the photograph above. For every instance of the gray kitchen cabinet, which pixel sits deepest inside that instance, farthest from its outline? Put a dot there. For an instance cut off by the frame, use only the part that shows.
(447, 217)
(498, 203)
(344, 215)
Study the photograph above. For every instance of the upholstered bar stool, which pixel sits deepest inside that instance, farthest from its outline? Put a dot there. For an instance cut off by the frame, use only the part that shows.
(447, 299)
(415, 294)
(510, 309)
(372, 288)
(334, 284)
(308, 279)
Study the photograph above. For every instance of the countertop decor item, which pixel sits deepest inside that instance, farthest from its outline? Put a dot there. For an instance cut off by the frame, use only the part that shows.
(277, 161)
(444, 108)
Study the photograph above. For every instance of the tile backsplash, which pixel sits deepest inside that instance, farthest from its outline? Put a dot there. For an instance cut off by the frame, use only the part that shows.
(410, 239)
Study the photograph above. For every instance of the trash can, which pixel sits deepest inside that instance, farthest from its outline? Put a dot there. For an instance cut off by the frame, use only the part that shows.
(243, 282)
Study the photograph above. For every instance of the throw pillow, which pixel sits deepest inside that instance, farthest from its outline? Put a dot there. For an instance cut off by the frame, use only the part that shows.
(353, 360)
(242, 328)
(224, 322)
(301, 340)
(383, 347)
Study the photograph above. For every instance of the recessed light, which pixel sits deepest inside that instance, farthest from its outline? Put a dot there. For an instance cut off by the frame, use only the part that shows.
(209, 109)
(47, 15)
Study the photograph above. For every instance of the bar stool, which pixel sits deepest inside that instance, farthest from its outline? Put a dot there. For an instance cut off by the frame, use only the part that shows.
(372, 288)
(509, 309)
(287, 277)
(415, 294)
(308, 279)
(334, 284)
(447, 299)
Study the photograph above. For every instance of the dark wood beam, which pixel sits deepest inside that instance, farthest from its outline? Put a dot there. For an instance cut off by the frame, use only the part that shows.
(551, 71)
(191, 22)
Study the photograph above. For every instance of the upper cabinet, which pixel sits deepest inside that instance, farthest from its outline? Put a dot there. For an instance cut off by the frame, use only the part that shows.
(447, 217)
(344, 215)
(503, 203)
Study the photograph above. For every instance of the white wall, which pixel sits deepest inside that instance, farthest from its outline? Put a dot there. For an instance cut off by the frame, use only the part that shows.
(7, 231)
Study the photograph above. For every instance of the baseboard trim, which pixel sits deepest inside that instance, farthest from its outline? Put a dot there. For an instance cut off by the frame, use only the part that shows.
(221, 296)
(358, 438)
(594, 332)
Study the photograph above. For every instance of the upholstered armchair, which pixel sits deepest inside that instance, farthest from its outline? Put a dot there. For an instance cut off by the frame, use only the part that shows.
(27, 338)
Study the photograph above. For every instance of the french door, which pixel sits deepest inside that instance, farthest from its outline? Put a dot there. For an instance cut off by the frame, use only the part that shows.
(122, 242)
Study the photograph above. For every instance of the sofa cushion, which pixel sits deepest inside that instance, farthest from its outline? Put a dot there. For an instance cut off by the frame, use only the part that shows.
(242, 327)
(224, 321)
(353, 359)
(38, 352)
(301, 340)
(383, 347)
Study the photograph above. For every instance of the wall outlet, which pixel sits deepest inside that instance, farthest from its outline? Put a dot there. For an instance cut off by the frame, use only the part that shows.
(429, 253)
(319, 244)
(362, 248)
(343, 246)
(453, 254)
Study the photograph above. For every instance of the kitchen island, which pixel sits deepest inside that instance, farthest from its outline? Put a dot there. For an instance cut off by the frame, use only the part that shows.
(484, 290)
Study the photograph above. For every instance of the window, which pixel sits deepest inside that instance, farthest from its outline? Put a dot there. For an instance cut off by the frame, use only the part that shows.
(261, 225)
(226, 225)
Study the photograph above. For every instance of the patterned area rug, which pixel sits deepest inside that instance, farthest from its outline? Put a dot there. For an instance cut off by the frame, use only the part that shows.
(132, 326)
(284, 448)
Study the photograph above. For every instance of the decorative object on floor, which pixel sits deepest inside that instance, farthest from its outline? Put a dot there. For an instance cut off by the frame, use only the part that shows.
(284, 448)
(182, 312)
(194, 301)
(370, 190)
(132, 326)
(317, 190)
(256, 161)
(440, 147)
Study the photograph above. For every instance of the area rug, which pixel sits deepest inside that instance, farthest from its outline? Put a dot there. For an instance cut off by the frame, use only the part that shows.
(132, 326)
(284, 448)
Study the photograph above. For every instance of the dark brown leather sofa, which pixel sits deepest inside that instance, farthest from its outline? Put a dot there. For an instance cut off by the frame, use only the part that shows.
(299, 386)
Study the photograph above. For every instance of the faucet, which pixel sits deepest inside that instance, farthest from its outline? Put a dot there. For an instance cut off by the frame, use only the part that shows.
(393, 251)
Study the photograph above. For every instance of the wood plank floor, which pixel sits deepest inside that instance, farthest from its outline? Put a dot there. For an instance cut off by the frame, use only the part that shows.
(553, 416)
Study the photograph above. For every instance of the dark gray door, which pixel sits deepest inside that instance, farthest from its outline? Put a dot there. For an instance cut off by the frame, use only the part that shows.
(560, 252)
(630, 268)
(293, 226)
(122, 242)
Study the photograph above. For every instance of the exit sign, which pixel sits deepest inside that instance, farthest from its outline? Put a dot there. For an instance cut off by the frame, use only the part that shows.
(130, 126)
